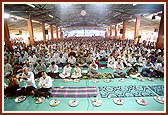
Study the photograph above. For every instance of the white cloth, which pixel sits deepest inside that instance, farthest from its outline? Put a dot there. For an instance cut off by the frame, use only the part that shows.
(93, 68)
(65, 55)
(22, 59)
(66, 72)
(131, 59)
(158, 66)
(7, 69)
(72, 60)
(118, 67)
(55, 68)
(142, 61)
(30, 79)
(147, 65)
(61, 59)
(76, 73)
(47, 82)
(135, 76)
(110, 62)
(56, 55)
(51, 59)
(32, 59)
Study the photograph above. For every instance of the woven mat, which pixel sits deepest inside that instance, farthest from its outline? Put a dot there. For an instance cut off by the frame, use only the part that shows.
(130, 91)
(74, 92)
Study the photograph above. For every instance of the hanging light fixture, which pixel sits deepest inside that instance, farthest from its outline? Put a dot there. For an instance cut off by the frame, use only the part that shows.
(51, 16)
(31, 5)
(153, 17)
(83, 13)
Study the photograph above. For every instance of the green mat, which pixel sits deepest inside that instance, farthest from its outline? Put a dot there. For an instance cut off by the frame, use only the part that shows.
(85, 103)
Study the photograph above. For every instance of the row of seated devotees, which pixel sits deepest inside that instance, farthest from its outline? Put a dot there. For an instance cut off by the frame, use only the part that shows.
(45, 79)
(27, 63)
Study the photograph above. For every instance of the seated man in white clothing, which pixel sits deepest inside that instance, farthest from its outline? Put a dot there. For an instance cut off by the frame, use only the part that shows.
(7, 68)
(65, 55)
(159, 69)
(132, 59)
(118, 68)
(66, 71)
(53, 70)
(51, 58)
(110, 62)
(72, 60)
(124, 60)
(32, 58)
(142, 60)
(93, 69)
(45, 84)
(28, 77)
(61, 60)
(77, 72)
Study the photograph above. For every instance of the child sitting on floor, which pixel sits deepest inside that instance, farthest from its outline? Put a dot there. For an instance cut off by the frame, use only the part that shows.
(133, 71)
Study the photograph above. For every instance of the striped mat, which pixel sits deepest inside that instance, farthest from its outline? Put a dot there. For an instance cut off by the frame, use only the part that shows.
(84, 92)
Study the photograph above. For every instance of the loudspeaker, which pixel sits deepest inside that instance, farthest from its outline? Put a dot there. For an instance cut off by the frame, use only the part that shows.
(153, 17)
(121, 31)
(139, 36)
(156, 30)
(46, 32)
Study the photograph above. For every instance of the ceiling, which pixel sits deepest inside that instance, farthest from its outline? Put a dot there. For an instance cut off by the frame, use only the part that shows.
(97, 15)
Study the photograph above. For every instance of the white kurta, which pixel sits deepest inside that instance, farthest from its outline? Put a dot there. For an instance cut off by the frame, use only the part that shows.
(72, 60)
(66, 72)
(55, 68)
(47, 82)
(110, 62)
(30, 79)
(7, 69)
(76, 73)
(118, 67)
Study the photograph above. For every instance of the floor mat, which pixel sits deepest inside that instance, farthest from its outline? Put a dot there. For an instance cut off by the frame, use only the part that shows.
(125, 91)
(159, 89)
(74, 92)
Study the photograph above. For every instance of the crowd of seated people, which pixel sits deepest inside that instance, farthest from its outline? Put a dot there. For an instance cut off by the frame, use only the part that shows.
(45, 59)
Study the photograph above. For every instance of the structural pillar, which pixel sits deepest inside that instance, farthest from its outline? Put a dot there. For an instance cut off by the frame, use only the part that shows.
(116, 28)
(43, 30)
(160, 39)
(30, 29)
(51, 30)
(60, 33)
(7, 36)
(110, 31)
(56, 32)
(107, 33)
(124, 30)
(137, 26)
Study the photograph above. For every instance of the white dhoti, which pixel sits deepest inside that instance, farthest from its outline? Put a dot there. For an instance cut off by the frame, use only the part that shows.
(75, 75)
(135, 76)
(64, 75)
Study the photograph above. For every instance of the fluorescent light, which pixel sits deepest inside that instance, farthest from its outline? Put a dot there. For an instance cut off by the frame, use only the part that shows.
(6, 15)
(51, 16)
(35, 21)
(31, 5)
(134, 4)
